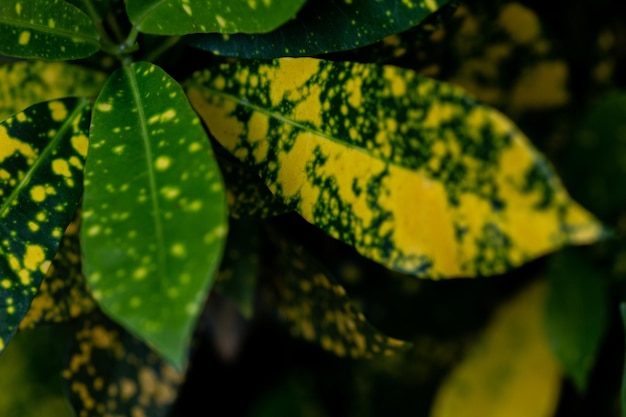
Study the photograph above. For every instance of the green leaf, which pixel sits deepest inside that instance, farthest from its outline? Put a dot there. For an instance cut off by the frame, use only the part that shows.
(63, 295)
(509, 371)
(110, 373)
(46, 29)
(247, 194)
(317, 308)
(154, 210)
(413, 173)
(42, 152)
(324, 26)
(32, 82)
(576, 313)
(181, 17)
(95, 9)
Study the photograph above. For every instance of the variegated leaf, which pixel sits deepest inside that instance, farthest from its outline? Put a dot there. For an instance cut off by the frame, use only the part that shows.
(180, 17)
(25, 83)
(110, 373)
(46, 29)
(42, 153)
(412, 172)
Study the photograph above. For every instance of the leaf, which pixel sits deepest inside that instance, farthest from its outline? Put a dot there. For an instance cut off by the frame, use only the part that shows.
(576, 314)
(27, 83)
(63, 295)
(317, 308)
(154, 219)
(46, 29)
(324, 26)
(509, 371)
(181, 17)
(412, 172)
(240, 268)
(95, 9)
(42, 152)
(110, 373)
(247, 195)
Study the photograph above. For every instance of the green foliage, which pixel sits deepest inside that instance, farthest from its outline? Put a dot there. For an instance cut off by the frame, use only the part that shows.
(396, 150)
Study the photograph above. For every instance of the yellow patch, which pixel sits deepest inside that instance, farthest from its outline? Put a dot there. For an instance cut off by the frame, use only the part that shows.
(58, 111)
(24, 38)
(61, 167)
(34, 256)
(80, 144)
(38, 193)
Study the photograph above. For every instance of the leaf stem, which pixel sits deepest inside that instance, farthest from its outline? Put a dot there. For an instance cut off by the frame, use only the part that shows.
(157, 52)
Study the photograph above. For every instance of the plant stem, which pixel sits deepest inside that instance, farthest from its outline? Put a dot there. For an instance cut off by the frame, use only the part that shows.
(167, 44)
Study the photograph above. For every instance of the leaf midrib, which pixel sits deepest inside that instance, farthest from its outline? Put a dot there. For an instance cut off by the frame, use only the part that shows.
(54, 31)
(280, 117)
(81, 104)
(158, 226)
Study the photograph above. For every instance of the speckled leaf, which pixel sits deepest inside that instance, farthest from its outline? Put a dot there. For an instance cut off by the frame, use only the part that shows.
(509, 371)
(42, 152)
(240, 268)
(180, 17)
(246, 193)
(63, 295)
(317, 308)
(23, 84)
(576, 313)
(46, 29)
(412, 172)
(110, 373)
(324, 26)
(154, 210)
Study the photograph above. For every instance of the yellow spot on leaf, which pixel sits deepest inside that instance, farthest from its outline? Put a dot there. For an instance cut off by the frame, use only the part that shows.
(57, 110)
(24, 38)
(35, 255)
(38, 193)
(9, 146)
(80, 144)
(6, 283)
(61, 167)
(163, 162)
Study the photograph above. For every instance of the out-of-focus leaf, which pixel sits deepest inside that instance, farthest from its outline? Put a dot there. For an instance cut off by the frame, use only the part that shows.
(413, 173)
(324, 26)
(601, 149)
(622, 308)
(246, 193)
(30, 382)
(46, 29)
(509, 371)
(240, 268)
(317, 308)
(180, 17)
(110, 373)
(23, 84)
(63, 295)
(42, 152)
(576, 313)
(95, 9)
(154, 209)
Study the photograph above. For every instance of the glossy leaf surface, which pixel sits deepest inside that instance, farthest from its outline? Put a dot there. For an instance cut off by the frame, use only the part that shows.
(509, 371)
(23, 84)
(42, 154)
(317, 308)
(576, 313)
(324, 26)
(180, 17)
(154, 210)
(46, 29)
(413, 173)
(110, 373)
(63, 295)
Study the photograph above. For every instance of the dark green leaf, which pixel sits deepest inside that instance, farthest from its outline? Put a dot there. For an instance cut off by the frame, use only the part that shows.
(110, 373)
(414, 173)
(240, 268)
(246, 193)
(28, 83)
(576, 313)
(317, 308)
(42, 152)
(324, 26)
(95, 9)
(63, 295)
(154, 210)
(46, 29)
(180, 17)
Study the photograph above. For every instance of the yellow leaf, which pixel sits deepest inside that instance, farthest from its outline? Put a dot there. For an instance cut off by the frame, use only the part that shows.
(510, 370)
